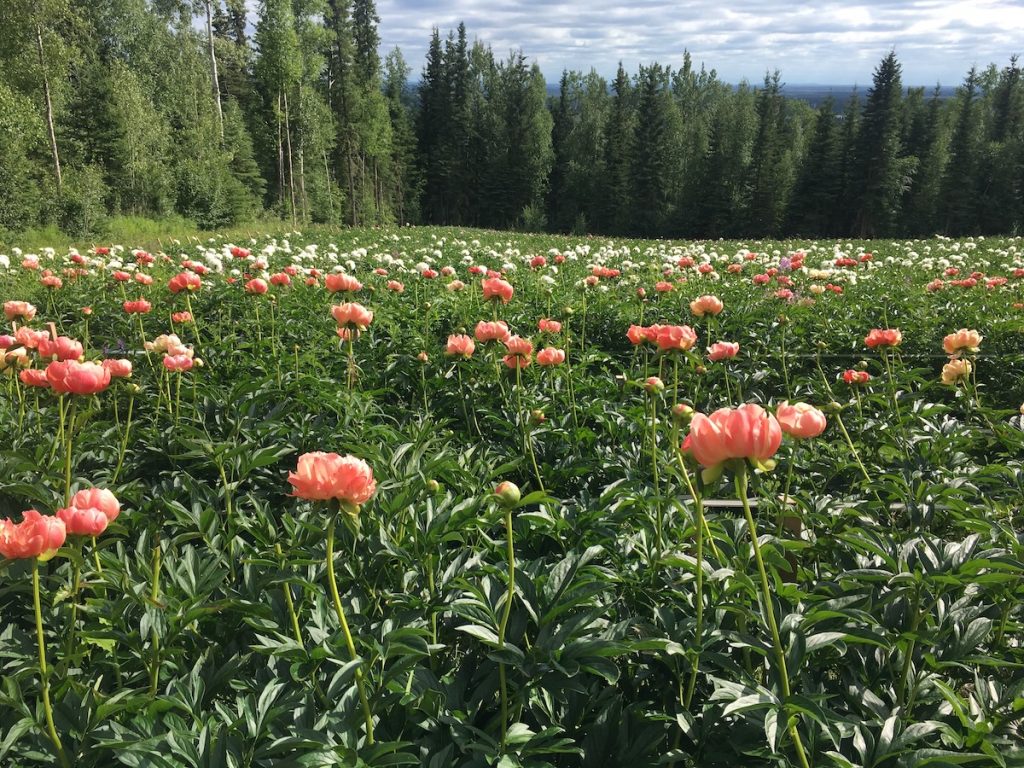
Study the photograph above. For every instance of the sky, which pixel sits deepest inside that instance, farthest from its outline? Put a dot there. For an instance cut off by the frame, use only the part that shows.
(821, 43)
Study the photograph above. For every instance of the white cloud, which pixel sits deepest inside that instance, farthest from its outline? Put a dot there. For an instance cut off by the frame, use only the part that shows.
(830, 42)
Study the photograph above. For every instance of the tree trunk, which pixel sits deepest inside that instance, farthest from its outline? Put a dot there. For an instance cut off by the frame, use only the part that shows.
(330, 196)
(49, 106)
(280, 152)
(291, 171)
(351, 183)
(213, 71)
(302, 184)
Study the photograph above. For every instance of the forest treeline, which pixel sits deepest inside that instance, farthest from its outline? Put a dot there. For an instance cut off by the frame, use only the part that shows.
(184, 107)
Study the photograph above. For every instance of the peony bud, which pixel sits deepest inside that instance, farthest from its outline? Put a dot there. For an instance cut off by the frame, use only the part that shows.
(508, 494)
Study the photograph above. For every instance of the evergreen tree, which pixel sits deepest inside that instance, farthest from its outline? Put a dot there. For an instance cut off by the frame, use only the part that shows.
(816, 193)
(927, 141)
(881, 177)
(618, 156)
(434, 110)
(1001, 178)
(651, 187)
(770, 170)
(404, 182)
(961, 177)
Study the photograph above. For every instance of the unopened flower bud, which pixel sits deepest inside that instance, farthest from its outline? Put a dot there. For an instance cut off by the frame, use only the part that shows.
(682, 413)
(508, 494)
(654, 384)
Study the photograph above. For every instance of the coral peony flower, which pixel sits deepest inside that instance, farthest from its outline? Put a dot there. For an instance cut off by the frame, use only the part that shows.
(460, 345)
(137, 307)
(324, 476)
(496, 288)
(663, 287)
(550, 356)
(395, 287)
(800, 420)
(962, 340)
(98, 498)
(119, 368)
(455, 286)
(747, 432)
(671, 337)
(83, 521)
(61, 348)
(181, 317)
(72, 377)
(492, 331)
(636, 334)
(723, 350)
(352, 315)
(33, 377)
(709, 304)
(19, 310)
(257, 286)
(339, 283)
(853, 377)
(184, 281)
(179, 363)
(280, 279)
(34, 536)
(887, 337)
(549, 326)
(29, 338)
(955, 370)
(519, 352)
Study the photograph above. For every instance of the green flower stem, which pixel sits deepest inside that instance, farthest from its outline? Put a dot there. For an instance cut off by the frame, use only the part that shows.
(44, 675)
(908, 654)
(351, 360)
(659, 523)
(195, 320)
(273, 343)
(785, 492)
(423, 388)
(503, 626)
(583, 324)
(142, 336)
(288, 601)
(96, 557)
(527, 442)
(698, 508)
(568, 374)
(466, 409)
(856, 456)
(769, 613)
(124, 439)
(785, 369)
(350, 644)
(69, 434)
(154, 597)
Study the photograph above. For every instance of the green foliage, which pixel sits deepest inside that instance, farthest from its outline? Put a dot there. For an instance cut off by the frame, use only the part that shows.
(80, 207)
(892, 551)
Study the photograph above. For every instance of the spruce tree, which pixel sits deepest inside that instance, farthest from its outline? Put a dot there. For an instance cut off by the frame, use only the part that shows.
(879, 174)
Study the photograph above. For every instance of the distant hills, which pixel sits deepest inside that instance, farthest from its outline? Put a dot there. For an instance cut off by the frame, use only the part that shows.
(815, 94)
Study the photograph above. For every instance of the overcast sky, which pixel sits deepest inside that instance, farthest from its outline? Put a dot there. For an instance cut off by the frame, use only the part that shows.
(834, 43)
